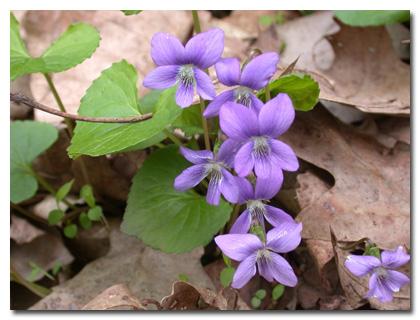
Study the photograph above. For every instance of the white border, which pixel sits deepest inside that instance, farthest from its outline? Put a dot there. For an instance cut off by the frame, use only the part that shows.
(6, 5)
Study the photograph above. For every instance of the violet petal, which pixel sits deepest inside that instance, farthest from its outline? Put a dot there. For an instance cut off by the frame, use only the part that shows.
(259, 70)
(205, 48)
(361, 265)
(167, 50)
(276, 116)
(190, 177)
(161, 78)
(228, 71)
(245, 271)
(285, 237)
(238, 246)
(205, 87)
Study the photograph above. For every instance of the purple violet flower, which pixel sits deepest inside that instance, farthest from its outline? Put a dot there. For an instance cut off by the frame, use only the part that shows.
(260, 149)
(252, 252)
(216, 168)
(383, 281)
(257, 209)
(183, 66)
(254, 76)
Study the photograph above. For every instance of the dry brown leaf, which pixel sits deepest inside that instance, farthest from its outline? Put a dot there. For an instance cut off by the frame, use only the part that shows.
(45, 251)
(117, 297)
(21, 231)
(147, 273)
(122, 37)
(371, 195)
(354, 66)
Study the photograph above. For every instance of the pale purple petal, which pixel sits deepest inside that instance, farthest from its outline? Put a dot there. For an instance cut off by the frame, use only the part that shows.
(184, 95)
(396, 280)
(276, 217)
(228, 187)
(245, 271)
(378, 289)
(161, 77)
(244, 161)
(285, 237)
(227, 152)
(283, 156)
(361, 265)
(213, 191)
(190, 177)
(276, 116)
(196, 156)
(394, 258)
(205, 87)
(267, 188)
(262, 166)
(256, 104)
(238, 246)
(237, 121)
(246, 191)
(259, 70)
(264, 270)
(213, 108)
(228, 71)
(206, 48)
(242, 223)
(167, 50)
(281, 270)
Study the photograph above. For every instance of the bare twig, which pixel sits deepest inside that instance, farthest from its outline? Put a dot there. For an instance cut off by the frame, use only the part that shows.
(22, 99)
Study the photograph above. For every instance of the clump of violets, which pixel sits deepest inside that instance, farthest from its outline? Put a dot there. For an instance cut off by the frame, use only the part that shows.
(184, 66)
(251, 149)
(384, 280)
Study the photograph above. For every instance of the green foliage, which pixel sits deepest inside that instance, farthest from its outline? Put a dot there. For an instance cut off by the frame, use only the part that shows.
(226, 276)
(372, 250)
(74, 46)
(164, 218)
(190, 121)
(277, 292)
(55, 216)
(131, 12)
(86, 193)
(260, 294)
(255, 302)
(114, 94)
(84, 221)
(63, 191)
(365, 18)
(95, 214)
(227, 260)
(56, 268)
(301, 88)
(28, 139)
(70, 231)
(269, 20)
(183, 277)
(36, 271)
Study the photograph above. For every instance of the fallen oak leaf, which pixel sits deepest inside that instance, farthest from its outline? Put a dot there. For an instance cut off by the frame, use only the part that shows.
(117, 297)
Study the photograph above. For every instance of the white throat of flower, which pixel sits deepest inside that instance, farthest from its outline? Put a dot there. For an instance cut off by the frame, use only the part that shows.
(186, 75)
(242, 95)
(214, 171)
(381, 272)
(257, 210)
(263, 254)
(261, 149)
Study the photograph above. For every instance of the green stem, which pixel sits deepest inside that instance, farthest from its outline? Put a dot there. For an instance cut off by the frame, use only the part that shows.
(69, 123)
(172, 137)
(49, 188)
(197, 29)
(57, 98)
(196, 20)
(33, 287)
(267, 93)
(205, 126)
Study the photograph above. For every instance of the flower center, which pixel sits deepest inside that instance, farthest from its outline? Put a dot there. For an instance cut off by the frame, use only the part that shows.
(381, 272)
(214, 169)
(263, 254)
(243, 96)
(186, 75)
(261, 147)
(257, 210)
